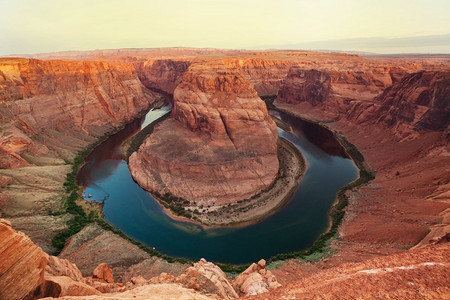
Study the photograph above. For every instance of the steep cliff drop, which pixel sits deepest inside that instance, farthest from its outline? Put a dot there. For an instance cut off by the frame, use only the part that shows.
(403, 132)
(219, 147)
(49, 111)
(57, 102)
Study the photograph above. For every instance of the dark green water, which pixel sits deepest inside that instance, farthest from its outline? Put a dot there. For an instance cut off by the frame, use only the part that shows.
(295, 227)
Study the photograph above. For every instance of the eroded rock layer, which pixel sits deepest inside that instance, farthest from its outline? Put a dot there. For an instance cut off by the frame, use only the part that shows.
(421, 100)
(22, 264)
(67, 97)
(163, 75)
(220, 145)
(337, 91)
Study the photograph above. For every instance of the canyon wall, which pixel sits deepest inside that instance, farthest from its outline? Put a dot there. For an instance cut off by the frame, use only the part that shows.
(401, 129)
(420, 99)
(220, 145)
(64, 97)
(382, 95)
(266, 75)
(162, 75)
(396, 114)
(50, 110)
(338, 92)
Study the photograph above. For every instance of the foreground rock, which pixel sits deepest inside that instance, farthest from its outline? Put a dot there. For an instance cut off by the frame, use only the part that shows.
(103, 273)
(207, 274)
(22, 264)
(255, 280)
(220, 145)
(415, 274)
(150, 292)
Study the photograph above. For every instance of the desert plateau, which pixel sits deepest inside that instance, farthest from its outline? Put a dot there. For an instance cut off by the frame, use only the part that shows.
(218, 173)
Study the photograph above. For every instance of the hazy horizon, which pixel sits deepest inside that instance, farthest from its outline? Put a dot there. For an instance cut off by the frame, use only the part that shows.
(385, 27)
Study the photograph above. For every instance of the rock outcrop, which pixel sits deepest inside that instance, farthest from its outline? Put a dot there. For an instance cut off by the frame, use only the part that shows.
(256, 279)
(50, 97)
(420, 100)
(220, 145)
(103, 273)
(22, 264)
(62, 267)
(59, 286)
(162, 75)
(338, 92)
(209, 278)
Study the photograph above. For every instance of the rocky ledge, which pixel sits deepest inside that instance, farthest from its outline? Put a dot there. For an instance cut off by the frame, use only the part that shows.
(219, 146)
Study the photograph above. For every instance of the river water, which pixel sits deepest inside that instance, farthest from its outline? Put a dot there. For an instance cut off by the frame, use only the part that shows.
(294, 227)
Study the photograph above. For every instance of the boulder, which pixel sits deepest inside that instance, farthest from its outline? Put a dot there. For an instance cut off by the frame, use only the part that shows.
(103, 273)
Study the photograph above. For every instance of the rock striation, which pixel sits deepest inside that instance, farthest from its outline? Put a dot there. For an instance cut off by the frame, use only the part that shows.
(50, 97)
(220, 145)
(421, 100)
(22, 264)
(206, 274)
(162, 75)
(336, 91)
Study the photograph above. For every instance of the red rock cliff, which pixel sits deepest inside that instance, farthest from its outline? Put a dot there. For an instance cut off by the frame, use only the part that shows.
(219, 147)
(163, 75)
(421, 100)
(67, 96)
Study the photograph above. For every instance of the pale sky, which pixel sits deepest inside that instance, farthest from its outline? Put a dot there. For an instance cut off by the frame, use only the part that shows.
(37, 26)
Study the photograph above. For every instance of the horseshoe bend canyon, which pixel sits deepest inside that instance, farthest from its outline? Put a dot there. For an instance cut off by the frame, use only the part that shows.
(219, 141)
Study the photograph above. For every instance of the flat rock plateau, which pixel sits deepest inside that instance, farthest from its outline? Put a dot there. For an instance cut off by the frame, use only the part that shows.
(393, 242)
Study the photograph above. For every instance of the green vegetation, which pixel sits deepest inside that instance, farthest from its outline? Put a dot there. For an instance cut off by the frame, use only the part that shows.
(319, 249)
(105, 225)
(232, 269)
(176, 205)
(73, 194)
(80, 218)
(138, 139)
(321, 246)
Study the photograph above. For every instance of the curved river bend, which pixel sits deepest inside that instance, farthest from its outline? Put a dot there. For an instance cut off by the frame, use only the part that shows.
(294, 227)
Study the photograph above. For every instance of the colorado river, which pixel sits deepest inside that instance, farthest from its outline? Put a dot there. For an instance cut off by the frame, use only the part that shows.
(294, 227)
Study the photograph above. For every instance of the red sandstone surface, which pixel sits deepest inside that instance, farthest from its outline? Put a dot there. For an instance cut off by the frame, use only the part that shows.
(220, 145)
(396, 111)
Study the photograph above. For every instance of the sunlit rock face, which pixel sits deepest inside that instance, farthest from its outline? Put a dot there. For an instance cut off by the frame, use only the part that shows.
(67, 98)
(220, 145)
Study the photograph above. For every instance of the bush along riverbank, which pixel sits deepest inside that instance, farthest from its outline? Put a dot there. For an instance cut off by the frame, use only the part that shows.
(73, 194)
(321, 246)
(81, 218)
(245, 211)
(134, 142)
(319, 249)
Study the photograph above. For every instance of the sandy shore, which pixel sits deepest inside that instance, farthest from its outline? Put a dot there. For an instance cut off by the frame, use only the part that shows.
(292, 167)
